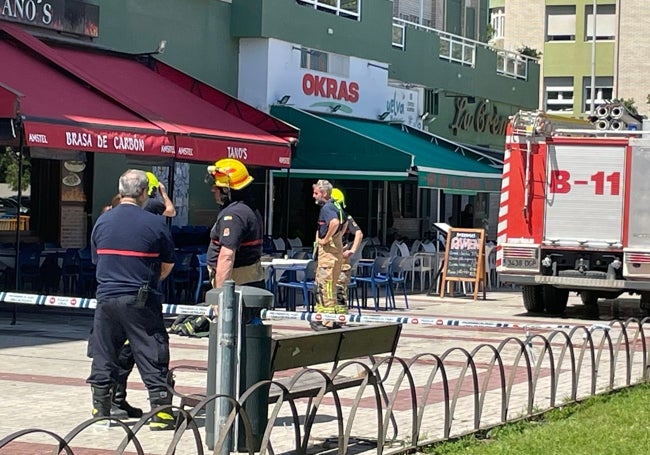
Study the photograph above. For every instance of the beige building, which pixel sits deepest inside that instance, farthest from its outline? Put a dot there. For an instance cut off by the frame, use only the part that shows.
(563, 32)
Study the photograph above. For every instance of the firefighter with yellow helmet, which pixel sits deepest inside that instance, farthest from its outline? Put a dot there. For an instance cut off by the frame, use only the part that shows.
(159, 202)
(235, 246)
(350, 250)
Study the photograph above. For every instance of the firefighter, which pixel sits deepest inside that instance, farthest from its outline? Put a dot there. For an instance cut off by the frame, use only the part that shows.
(130, 264)
(235, 248)
(159, 202)
(330, 256)
(350, 228)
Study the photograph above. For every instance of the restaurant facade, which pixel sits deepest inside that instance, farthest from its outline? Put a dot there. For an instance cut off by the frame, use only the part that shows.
(411, 130)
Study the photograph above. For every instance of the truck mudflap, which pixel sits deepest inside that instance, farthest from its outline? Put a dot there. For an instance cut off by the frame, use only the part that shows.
(576, 283)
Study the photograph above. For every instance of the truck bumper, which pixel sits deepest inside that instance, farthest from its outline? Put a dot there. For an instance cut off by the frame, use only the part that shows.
(576, 283)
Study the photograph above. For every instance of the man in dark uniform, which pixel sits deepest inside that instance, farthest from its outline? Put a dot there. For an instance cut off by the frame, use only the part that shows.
(157, 203)
(350, 228)
(235, 248)
(133, 250)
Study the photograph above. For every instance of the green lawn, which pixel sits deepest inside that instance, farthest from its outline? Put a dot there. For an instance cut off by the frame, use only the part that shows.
(612, 424)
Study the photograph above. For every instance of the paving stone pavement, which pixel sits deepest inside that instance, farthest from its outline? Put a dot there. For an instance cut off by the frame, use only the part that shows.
(43, 366)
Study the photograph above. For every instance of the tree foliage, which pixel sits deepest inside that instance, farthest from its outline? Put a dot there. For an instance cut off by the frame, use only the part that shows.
(9, 170)
(529, 51)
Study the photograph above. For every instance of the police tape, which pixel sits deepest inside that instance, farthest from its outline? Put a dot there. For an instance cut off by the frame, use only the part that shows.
(410, 320)
(273, 315)
(91, 304)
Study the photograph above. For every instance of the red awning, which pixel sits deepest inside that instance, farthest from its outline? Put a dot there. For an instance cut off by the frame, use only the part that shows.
(9, 99)
(58, 112)
(202, 131)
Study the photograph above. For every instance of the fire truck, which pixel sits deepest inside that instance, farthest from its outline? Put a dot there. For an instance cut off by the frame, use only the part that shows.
(574, 214)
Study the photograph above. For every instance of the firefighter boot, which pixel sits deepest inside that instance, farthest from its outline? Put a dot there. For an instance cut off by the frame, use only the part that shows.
(164, 419)
(101, 403)
(120, 408)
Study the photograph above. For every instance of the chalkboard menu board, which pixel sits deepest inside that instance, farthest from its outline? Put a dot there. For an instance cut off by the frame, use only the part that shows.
(464, 260)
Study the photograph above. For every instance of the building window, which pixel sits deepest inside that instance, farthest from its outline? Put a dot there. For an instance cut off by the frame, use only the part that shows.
(498, 22)
(560, 23)
(313, 60)
(605, 22)
(604, 89)
(558, 94)
(344, 8)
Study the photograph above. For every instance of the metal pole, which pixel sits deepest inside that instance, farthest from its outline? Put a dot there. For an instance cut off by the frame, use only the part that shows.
(269, 201)
(593, 59)
(288, 196)
(20, 199)
(226, 365)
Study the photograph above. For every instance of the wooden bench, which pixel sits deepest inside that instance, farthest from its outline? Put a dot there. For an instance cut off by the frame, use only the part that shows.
(331, 347)
(309, 351)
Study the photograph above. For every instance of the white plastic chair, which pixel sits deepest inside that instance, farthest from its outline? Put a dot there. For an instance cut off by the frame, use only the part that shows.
(279, 246)
(416, 247)
(491, 266)
(295, 242)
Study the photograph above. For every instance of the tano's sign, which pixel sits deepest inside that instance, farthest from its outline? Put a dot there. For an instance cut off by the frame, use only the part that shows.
(72, 16)
(484, 119)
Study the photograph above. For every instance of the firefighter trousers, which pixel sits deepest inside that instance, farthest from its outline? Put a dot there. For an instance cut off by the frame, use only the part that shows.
(329, 297)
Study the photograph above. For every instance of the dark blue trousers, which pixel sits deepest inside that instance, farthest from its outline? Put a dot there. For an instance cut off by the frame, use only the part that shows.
(116, 320)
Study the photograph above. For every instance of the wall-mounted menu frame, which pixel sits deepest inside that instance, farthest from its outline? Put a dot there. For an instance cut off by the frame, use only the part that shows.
(464, 258)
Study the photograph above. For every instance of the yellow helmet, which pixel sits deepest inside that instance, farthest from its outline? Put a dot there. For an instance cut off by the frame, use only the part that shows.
(230, 173)
(153, 184)
(338, 196)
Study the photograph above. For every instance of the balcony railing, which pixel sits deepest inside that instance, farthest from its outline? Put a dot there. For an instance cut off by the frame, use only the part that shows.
(461, 50)
(512, 64)
(348, 9)
(457, 49)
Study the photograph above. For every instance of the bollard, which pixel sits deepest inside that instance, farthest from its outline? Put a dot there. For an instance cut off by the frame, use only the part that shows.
(239, 356)
(224, 367)
(255, 362)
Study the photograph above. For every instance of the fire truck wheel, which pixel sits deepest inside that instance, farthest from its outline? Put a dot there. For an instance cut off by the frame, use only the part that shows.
(533, 298)
(555, 299)
(589, 298)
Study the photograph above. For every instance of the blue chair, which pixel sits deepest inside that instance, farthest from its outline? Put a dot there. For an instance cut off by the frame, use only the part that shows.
(203, 279)
(87, 282)
(180, 281)
(379, 277)
(306, 283)
(70, 270)
(29, 267)
(399, 267)
(353, 292)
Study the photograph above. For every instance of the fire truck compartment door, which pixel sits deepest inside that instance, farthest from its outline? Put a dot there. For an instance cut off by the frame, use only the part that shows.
(584, 194)
(639, 218)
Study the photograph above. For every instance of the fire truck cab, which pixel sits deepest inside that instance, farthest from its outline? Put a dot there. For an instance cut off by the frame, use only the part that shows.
(574, 212)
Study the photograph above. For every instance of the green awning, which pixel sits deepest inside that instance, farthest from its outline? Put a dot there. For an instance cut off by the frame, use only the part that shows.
(330, 150)
(439, 164)
(350, 148)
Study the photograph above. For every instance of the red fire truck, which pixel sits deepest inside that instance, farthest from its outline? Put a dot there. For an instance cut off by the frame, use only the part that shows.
(574, 212)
